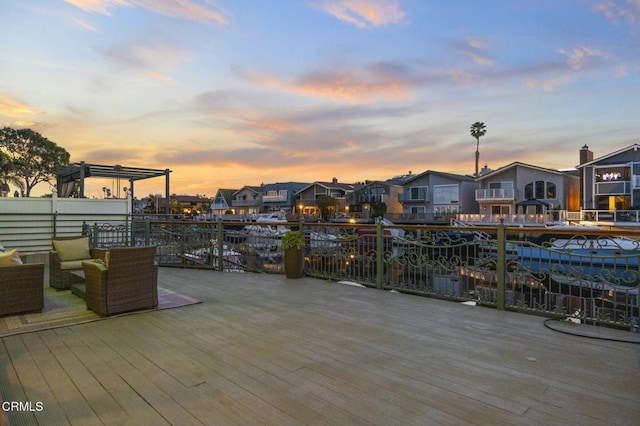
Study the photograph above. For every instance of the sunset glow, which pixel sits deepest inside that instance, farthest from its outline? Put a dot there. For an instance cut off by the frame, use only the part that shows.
(232, 93)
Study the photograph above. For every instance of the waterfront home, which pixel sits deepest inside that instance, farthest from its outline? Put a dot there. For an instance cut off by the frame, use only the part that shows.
(223, 202)
(280, 196)
(308, 196)
(191, 204)
(610, 182)
(365, 200)
(520, 188)
(433, 195)
(247, 200)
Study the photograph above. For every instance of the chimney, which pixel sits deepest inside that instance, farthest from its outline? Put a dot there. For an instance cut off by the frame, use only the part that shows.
(585, 155)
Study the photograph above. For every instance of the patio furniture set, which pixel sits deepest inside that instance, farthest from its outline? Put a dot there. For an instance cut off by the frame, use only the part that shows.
(112, 281)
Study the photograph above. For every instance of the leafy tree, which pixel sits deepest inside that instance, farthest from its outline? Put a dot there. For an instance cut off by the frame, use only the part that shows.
(7, 174)
(478, 129)
(379, 209)
(327, 205)
(35, 158)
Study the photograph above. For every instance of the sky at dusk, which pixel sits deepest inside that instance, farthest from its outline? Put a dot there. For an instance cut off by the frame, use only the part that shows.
(228, 93)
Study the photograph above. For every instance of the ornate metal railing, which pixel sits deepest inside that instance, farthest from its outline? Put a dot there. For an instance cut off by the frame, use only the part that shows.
(593, 276)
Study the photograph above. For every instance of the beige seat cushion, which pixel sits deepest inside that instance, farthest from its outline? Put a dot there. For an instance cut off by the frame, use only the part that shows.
(74, 249)
(72, 264)
(10, 258)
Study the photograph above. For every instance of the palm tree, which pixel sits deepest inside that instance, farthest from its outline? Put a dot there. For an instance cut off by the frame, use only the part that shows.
(6, 175)
(478, 130)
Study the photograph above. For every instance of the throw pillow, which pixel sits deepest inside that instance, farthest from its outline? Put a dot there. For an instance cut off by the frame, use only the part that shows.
(10, 258)
(73, 249)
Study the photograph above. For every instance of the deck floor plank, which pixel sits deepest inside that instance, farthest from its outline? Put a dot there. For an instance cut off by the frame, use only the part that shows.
(262, 349)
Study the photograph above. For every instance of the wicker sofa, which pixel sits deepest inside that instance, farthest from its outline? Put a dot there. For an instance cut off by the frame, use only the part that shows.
(21, 288)
(129, 282)
(67, 256)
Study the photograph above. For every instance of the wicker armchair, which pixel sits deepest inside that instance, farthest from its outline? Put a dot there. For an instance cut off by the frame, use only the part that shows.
(130, 282)
(21, 288)
(62, 265)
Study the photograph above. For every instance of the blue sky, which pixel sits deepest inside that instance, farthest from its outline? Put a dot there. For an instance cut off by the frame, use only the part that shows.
(228, 93)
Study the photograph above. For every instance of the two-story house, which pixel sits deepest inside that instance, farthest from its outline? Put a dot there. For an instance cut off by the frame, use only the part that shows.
(376, 197)
(308, 196)
(520, 188)
(247, 200)
(280, 196)
(610, 182)
(191, 204)
(433, 195)
(223, 202)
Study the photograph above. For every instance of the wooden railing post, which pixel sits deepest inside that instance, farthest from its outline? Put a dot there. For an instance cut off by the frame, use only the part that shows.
(379, 252)
(220, 241)
(501, 266)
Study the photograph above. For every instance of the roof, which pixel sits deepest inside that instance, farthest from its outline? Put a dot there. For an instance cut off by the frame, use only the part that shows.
(252, 188)
(519, 164)
(332, 185)
(226, 194)
(635, 147)
(532, 202)
(434, 172)
(73, 172)
(191, 198)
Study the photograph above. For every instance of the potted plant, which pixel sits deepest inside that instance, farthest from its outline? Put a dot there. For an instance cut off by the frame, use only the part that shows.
(293, 243)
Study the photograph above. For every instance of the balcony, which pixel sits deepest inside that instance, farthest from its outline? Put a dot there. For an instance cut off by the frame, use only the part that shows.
(262, 349)
(274, 198)
(246, 203)
(407, 197)
(495, 194)
(613, 188)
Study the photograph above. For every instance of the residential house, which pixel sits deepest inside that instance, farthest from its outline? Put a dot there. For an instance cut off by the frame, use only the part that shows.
(280, 196)
(247, 200)
(437, 196)
(368, 198)
(179, 204)
(191, 204)
(223, 202)
(520, 188)
(307, 198)
(610, 182)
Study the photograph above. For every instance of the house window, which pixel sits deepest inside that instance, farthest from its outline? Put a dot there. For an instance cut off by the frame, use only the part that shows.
(442, 210)
(418, 192)
(500, 185)
(540, 190)
(417, 209)
(613, 174)
(551, 190)
(445, 194)
(501, 210)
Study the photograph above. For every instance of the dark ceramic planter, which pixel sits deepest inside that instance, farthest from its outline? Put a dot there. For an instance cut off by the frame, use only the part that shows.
(293, 263)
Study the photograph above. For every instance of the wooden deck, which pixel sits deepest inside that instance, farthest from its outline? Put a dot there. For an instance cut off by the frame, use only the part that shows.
(262, 349)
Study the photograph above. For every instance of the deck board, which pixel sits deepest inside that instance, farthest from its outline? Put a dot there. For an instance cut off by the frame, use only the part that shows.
(262, 349)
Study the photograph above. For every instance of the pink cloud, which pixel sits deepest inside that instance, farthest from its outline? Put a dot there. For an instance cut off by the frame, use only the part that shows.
(627, 10)
(577, 56)
(363, 13)
(349, 86)
(181, 9)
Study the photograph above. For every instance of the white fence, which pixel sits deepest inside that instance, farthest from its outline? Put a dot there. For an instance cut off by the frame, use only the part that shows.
(28, 224)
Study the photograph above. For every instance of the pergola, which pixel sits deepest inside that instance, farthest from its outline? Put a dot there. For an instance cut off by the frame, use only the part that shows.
(80, 171)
